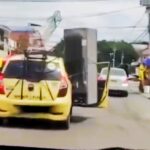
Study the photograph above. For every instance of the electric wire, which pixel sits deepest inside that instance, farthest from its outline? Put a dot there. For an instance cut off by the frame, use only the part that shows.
(141, 36)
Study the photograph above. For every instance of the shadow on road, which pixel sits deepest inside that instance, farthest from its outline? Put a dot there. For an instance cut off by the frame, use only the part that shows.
(31, 124)
(38, 124)
(33, 148)
(115, 95)
(78, 119)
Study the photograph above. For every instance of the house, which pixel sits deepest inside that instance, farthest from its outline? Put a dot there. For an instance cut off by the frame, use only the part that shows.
(18, 39)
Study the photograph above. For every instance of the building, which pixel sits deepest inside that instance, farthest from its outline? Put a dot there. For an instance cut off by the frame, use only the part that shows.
(18, 39)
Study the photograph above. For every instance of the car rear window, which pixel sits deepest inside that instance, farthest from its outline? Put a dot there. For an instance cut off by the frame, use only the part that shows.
(32, 70)
(115, 72)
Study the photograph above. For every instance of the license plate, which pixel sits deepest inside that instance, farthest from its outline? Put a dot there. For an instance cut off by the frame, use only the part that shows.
(27, 97)
(113, 80)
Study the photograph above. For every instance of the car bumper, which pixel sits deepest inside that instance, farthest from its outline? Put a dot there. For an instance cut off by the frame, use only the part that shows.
(57, 110)
(119, 88)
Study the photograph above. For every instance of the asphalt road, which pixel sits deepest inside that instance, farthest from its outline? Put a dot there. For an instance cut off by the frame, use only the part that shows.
(126, 123)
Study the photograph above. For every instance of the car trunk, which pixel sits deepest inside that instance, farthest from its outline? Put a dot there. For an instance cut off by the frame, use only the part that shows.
(32, 80)
(117, 80)
(22, 89)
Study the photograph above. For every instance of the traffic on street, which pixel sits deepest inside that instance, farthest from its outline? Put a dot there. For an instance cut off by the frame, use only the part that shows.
(124, 124)
(75, 74)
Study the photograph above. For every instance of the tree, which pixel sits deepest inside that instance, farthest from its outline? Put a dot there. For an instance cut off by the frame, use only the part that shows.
(104, 51)
(105, 48)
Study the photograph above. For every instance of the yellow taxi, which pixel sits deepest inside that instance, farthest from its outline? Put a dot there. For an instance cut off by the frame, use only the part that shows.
(35, 85)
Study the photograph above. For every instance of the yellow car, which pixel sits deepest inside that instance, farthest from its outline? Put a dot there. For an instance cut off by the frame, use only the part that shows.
(35, 86)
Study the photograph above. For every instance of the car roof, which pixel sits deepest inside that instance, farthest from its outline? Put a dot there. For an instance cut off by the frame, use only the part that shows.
(22, 57)
(113, 68)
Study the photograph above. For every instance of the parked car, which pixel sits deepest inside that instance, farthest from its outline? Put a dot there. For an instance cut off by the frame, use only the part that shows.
(118, 81)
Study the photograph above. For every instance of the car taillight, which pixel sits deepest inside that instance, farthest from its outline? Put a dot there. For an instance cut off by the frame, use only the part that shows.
(2, 89)
(125, 81)
(63, 87)
(100, 78)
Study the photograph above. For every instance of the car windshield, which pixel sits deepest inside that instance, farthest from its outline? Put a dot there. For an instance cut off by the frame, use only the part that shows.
(32, 70)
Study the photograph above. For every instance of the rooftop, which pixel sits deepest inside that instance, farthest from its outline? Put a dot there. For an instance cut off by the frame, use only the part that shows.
(17, 28)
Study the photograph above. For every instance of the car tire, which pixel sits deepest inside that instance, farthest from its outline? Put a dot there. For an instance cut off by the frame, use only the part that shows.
(4, 121)
(125, 94)
(1, 121)
(66, 123)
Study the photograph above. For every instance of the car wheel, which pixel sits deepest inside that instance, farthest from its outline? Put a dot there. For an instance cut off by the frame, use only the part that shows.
(3, 121)
(66, 123)
(71, 110)
(141, 89)
(125, 94)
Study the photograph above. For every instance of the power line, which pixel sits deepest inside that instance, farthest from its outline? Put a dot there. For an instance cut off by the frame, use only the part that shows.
(137, 23)
(142, 35)
(53, 0)
(103, 13)
(71, 17)
(140, 20)
(122, 27)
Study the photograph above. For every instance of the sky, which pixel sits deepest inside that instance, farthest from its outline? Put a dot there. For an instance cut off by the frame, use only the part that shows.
(114, 19)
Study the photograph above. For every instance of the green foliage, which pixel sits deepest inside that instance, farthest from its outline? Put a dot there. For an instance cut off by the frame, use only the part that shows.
(106, 50)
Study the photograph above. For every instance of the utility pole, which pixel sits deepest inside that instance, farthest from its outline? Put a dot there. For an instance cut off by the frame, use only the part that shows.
(148, 27)
(146, 3)
(114, 56)
(122, 57)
